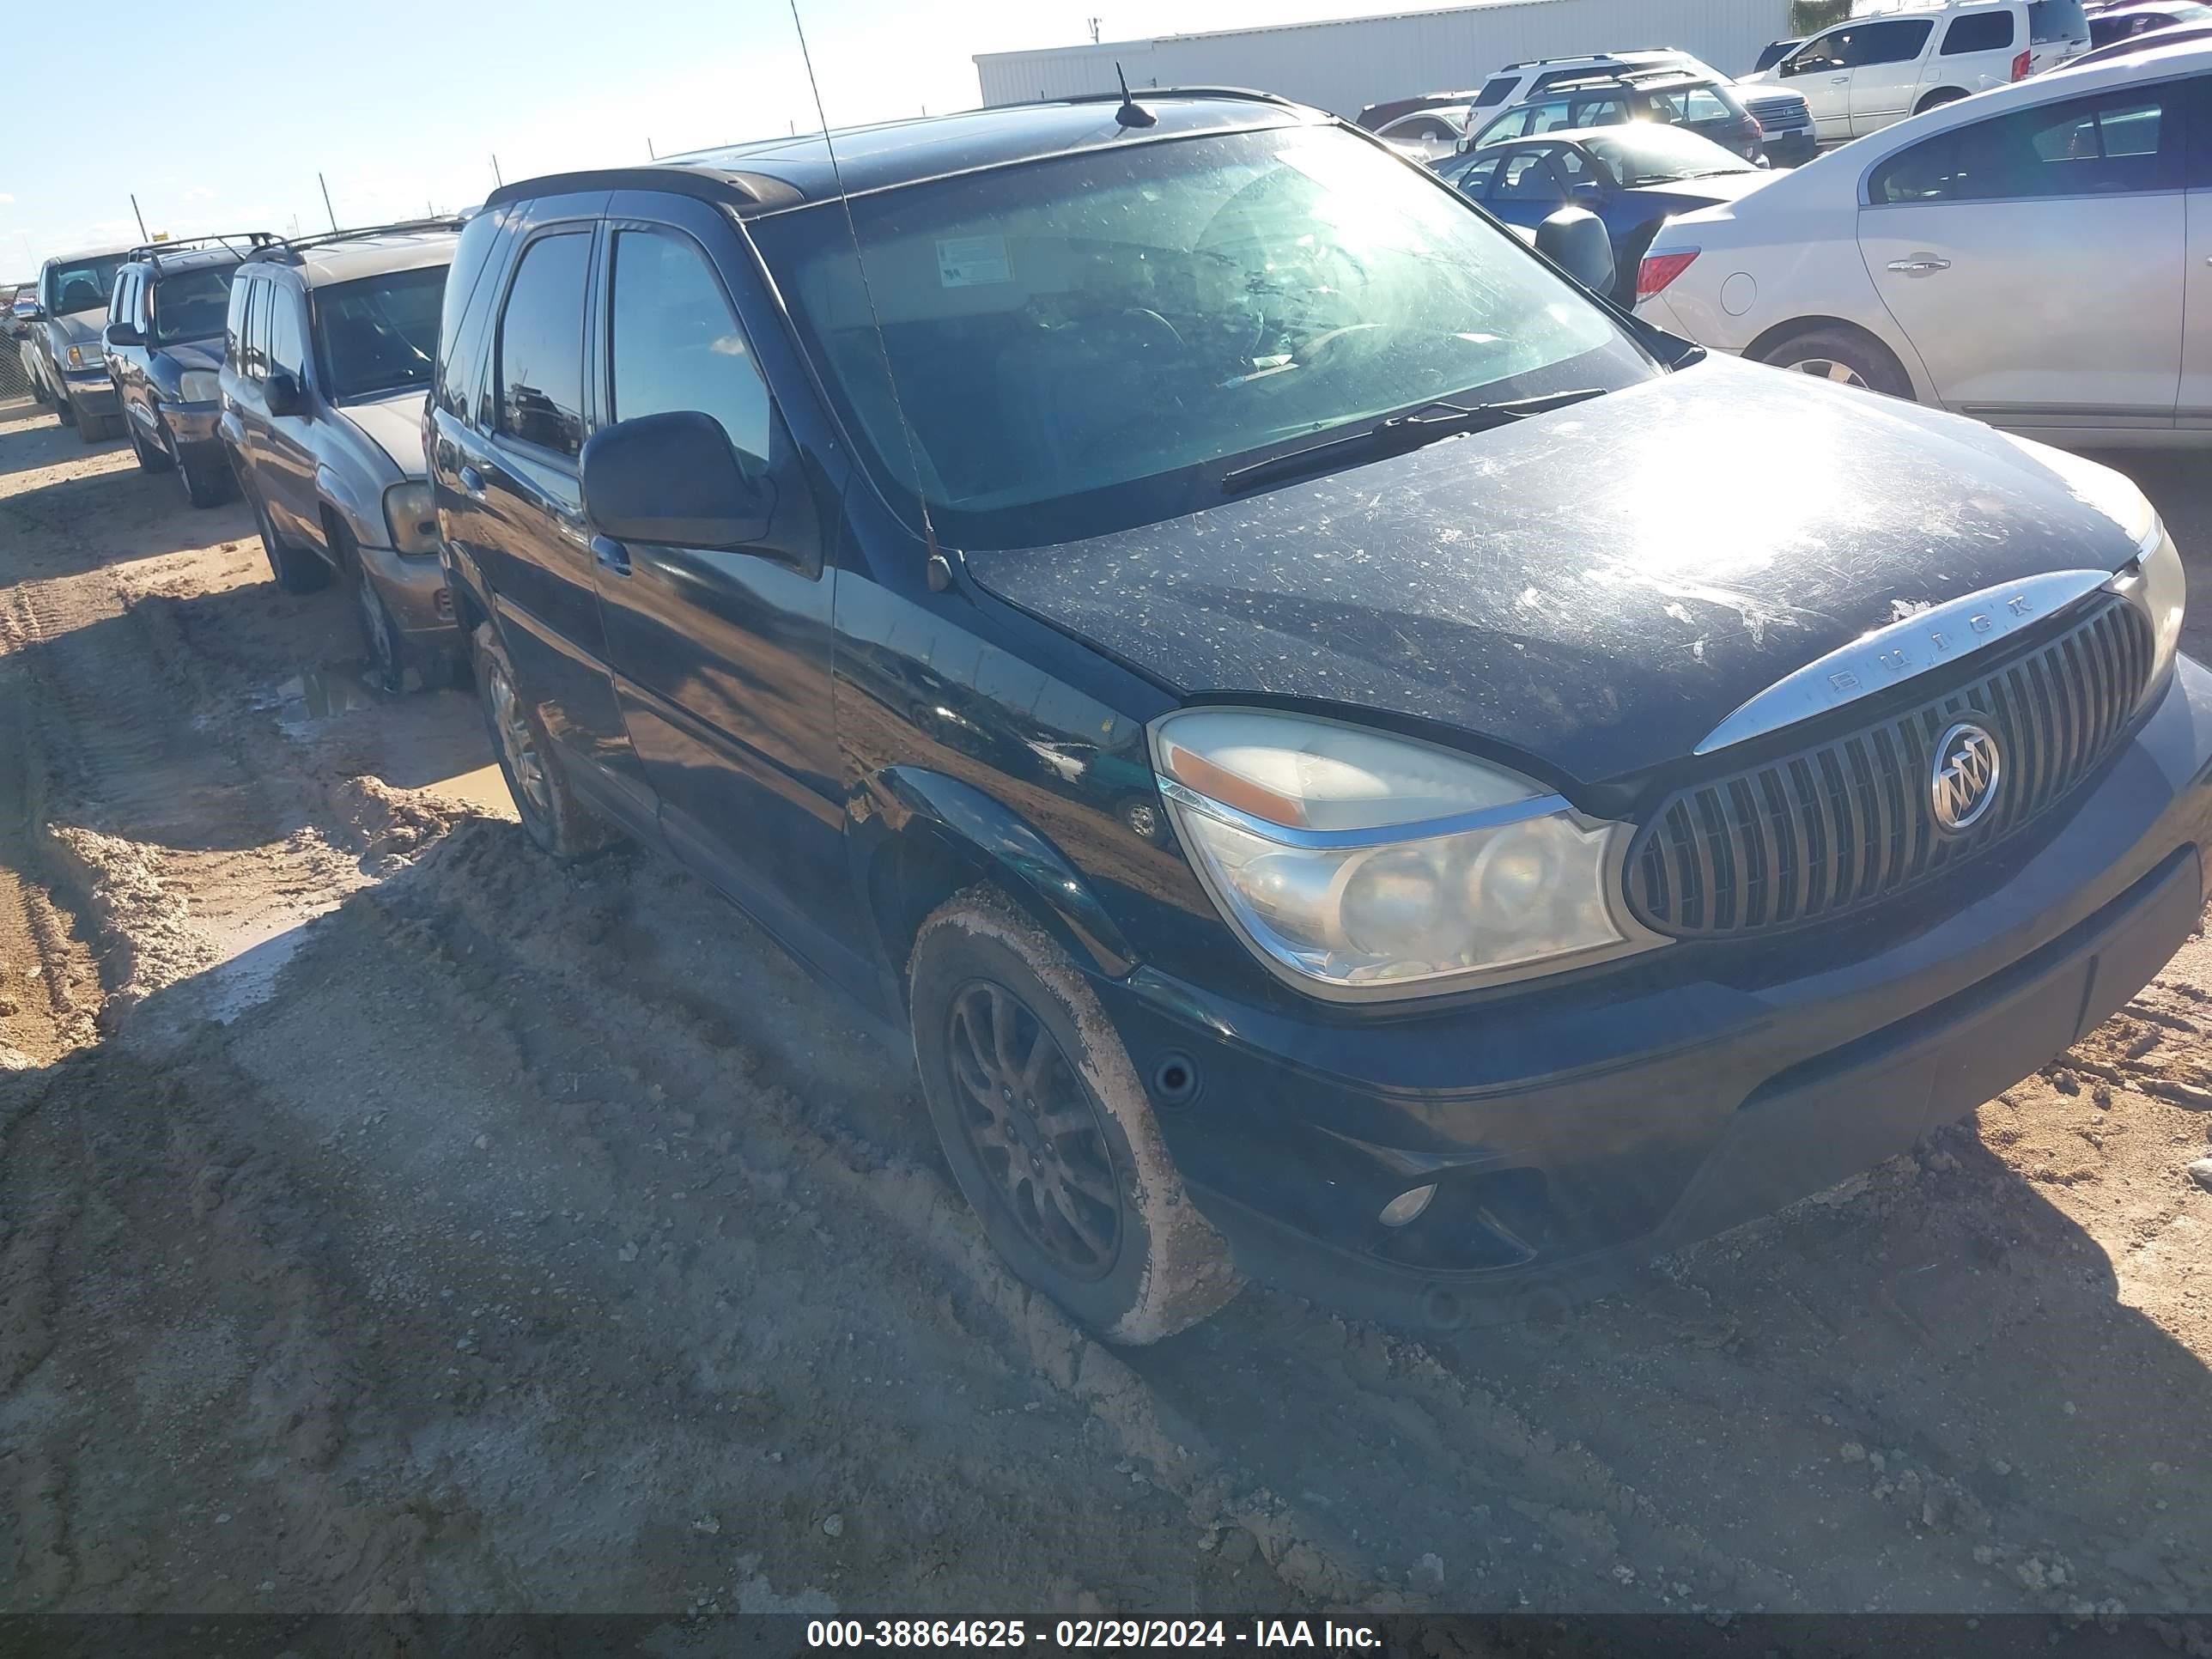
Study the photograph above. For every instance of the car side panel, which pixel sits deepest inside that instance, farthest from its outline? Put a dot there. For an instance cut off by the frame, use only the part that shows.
(2028, 317)
(721, 655)
(518, 510)
(1799, 270)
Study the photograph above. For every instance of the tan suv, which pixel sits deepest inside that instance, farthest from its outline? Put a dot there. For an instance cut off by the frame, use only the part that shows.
(327, 351)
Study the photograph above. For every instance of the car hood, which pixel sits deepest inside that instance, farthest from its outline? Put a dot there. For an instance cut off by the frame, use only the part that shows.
(1596, 588)
(82, 327)
(394, 425)
(1718, 187)
(195, 354)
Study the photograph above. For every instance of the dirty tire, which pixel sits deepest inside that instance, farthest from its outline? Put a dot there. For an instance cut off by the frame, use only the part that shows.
(64, 411)
(1169, 1268)
(380, 637)
(552, 813)
(297, 570)
(206, 485)
(1842, 355)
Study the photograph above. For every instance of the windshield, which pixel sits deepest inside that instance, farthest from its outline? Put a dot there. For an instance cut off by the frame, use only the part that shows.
(76, 285)
(379, 333)
(1084, 343)
(2052, 20)
(192, 305)
(1645, 154)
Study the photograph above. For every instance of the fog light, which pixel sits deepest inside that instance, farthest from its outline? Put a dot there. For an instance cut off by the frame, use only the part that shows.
(1407, 1205)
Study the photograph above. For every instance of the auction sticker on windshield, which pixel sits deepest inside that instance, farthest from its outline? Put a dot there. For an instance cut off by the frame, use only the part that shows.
(972, 261)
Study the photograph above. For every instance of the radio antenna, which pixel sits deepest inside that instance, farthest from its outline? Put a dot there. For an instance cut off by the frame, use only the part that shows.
(940, 567)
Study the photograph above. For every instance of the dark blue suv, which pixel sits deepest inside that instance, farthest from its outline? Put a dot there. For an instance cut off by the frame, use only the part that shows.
(1352, 758)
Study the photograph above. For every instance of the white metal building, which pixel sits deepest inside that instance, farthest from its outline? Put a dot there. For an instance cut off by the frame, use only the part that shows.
(1346, 64)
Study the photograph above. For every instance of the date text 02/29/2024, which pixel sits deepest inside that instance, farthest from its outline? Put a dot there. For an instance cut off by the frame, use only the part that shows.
(1085, 1634)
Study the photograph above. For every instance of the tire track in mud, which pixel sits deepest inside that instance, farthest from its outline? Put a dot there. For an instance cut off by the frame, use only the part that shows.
(557, 995)
(1408, 1427)
(169, 835)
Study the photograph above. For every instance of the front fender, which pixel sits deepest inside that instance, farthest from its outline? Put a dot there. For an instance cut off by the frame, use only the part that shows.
(358, 507)
(955, 827)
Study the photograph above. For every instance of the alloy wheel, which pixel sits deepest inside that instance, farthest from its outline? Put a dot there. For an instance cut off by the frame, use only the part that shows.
(1030, 1123)
(517, 744)
(1828, 368)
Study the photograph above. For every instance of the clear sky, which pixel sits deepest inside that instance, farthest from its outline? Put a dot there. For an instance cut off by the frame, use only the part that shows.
(219, 117)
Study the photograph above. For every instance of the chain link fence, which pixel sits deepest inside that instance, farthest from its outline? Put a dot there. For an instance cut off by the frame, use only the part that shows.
(14, 382)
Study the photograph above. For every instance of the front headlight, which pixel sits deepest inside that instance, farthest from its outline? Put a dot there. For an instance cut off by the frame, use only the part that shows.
(199, 386)
(2157, 583)
(77, 358)
(1362, 865)
(409, 516)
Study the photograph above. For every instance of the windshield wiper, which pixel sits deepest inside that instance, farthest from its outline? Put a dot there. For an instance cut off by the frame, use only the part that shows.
(1403, 432)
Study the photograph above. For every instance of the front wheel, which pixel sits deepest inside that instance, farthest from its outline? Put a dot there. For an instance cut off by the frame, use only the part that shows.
(1044, 1123)
(297, 570)
(206, 483)
(552, 813)
(150, 457)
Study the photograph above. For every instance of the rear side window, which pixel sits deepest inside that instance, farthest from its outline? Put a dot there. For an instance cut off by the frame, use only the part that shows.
(541, 345)
(1528, 177)
(677, 345)
(1899, 42)
(1496, 90)
(1690, 105)
(2114, 144)
(2050, 22)
(1473, 179)
(1982, 31)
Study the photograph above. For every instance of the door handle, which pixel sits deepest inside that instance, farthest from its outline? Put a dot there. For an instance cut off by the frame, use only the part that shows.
(1921, 264)
(1840, 80)
(611, 555)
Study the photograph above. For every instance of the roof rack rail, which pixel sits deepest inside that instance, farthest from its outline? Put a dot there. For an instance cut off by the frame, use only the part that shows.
(286, 250)
(1141, 93)
(228, 240)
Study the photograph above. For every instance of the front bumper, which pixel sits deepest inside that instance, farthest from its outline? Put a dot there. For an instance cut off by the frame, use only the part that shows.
(193, 423)
(1574, 1132)
(414, 588)
(1792, 147)
(91, 390)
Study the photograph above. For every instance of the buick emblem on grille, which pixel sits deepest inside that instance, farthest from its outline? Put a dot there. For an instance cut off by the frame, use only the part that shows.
(1963, 785)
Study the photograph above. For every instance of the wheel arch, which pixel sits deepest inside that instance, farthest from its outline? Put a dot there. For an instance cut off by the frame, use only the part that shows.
(1907, 358)
(339, 501)
(1937, 96)
(923, 836)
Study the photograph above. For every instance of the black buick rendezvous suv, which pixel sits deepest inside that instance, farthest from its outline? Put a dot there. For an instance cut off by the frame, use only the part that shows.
(1204, 628)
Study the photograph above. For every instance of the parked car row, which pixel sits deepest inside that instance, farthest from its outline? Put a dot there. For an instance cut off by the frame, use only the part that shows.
(1553, 94)
(1163, 605)
(2039, 257)
(1860, 76)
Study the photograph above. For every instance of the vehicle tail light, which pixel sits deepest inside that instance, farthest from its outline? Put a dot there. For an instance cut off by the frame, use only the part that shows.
(1658, 269)
(2020, 66)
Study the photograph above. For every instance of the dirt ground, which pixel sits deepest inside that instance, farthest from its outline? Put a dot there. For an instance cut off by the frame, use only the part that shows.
(392, 1221)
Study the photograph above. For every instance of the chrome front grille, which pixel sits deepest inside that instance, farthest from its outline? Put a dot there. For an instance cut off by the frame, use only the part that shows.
(1850, 820)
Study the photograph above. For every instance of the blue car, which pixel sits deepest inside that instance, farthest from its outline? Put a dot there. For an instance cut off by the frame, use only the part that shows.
(1634, 177)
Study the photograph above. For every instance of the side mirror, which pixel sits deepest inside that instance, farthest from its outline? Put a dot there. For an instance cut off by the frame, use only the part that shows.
(28, 310)
(1574, 239)
(673, 478)
(125, 334)
(281, 392)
